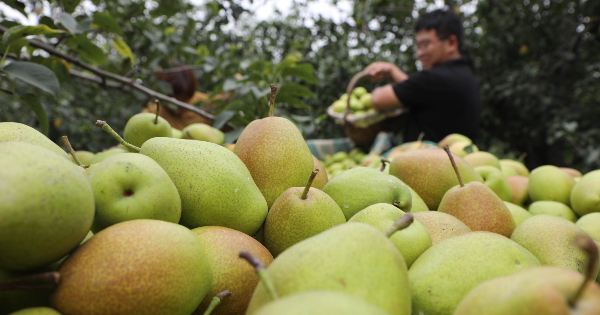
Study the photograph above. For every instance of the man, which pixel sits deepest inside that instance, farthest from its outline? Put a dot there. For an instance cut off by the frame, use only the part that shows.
(444, 97)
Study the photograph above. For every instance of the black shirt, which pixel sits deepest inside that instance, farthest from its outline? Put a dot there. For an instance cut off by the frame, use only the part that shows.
(442, 100)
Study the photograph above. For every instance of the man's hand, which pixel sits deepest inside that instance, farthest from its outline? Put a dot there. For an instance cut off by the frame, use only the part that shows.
(379, 70)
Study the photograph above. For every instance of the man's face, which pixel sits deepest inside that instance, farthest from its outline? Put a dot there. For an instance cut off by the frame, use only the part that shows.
(431, 51)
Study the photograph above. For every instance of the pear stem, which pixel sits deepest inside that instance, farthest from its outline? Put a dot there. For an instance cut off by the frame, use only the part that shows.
(46, 280)
(157, 110)
(587, 244)
(67, 144)
(102, 124)
(421, 135)
(447, 149)
(383, 161)
(405, 221)
(261, 270)
(216, 301)
(272, 100)
(309, 183)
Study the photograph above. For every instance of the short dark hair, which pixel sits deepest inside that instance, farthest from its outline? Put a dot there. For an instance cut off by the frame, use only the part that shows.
(445, 22)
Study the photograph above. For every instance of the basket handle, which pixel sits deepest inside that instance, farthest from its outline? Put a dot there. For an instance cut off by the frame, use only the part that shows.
(351, 85)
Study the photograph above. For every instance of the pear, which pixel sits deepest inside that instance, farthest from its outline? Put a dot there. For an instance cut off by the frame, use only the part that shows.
(321, 179)
(482, 158)
(143, 126)
(215, 187)
(519, 186)
(549, 238)
(590, 223)
(550, 183)
(572, 172)
(515, 165)
(299, 213)
(176, 133)
(507, 171)
(445, 273)
(339, 106)
(494, 179)
(360, 187)
(222, 246)
(16, 132)
(320, 303)
(37, 311)
(365, 99)
(518, 213)
(418, 204)
(85, 156)
(162, 262)
(203, 132)
(101, 156)
(46, 206)
(132, 186)
(359, 91)
(411, 241)
(477, 206)
(353, 258)
(430, 174)
(552, 208)
(463, 148)
(537, 290)
(275, 153)
(585, 197)
(454, 138)
(441, 225)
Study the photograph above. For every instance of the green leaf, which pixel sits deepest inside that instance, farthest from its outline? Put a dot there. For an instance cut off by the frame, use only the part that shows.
(232, 136)
(74, 27)
(223, 118)
(294, 89)
(104, 21)
(60, 69)
(36, 105)
(288, 61)
(20, 31)
(303, 71)
(203, 51)
(87, 49)
(70, 5)
(34, 74)
(15, 46)
(292, 101)
(123, 49)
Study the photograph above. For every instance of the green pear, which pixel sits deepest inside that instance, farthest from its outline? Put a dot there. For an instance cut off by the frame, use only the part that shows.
(132, 186)
(46, 206)
(518, 213)
(585, 197)
(493, 178)
(550, 183)
(482, 158)
(549, 238)
(445, 273)
(571, 171)
(507, 171)
(359, 91)
(37, 311)
(462, 148)
(101, 156)
(539, 290)
(355, 104)
(162, 262)
(339, 106)
(299, 213)
(552, 208)
(321, 179)
(519, 185)
(320, 303)
(353, 258)
(418, 204)
(215, 186)
(411, 241)
(143, 126)
(275, 153)
(440, 225)
(430, 173)
(360, 187)
(203, 132)
(516, 166)
(16, 132)
(590, 223)
(454, 138)
(85, 156)
(222, 246)
(176, 133)
(365, 99)
(344, 97)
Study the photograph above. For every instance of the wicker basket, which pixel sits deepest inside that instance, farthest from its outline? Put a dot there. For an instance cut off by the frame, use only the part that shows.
(364, 128)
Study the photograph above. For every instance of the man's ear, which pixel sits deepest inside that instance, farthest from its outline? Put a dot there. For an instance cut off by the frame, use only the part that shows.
(452, 42)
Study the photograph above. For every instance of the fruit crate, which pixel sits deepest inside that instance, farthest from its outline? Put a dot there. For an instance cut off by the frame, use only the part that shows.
(323, 147)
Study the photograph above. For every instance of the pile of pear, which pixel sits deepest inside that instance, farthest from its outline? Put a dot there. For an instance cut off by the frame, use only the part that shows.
(342, 161)
(360, 102)
(173, 226)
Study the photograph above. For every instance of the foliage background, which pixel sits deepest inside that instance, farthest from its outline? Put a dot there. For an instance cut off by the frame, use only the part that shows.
(537, 61)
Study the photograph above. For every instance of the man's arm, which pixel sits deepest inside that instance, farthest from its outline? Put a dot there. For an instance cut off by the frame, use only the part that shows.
(379, 70)
(384, 98)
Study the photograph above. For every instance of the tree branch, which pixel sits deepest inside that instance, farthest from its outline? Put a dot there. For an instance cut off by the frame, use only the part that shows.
(111, 76)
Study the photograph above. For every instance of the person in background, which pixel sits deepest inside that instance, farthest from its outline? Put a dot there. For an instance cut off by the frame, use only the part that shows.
(444, 97)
